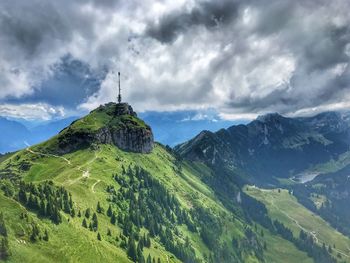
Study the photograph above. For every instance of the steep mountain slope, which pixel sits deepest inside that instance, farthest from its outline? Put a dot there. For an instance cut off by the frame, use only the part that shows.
(328, 194)
(272, 146)
(80, 198)
(308, 156)
(283, 206)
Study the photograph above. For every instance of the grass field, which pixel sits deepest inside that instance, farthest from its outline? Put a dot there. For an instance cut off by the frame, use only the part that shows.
(280, 250)
(284, 207)
(85, 174)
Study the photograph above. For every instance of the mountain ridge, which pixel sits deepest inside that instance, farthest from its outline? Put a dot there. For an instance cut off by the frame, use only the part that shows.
(98, 202)
(272, 139)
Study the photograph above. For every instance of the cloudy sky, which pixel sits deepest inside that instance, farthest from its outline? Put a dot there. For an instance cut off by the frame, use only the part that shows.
(240, 58)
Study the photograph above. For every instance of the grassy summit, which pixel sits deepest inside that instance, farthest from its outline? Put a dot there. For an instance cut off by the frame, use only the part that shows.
(109, 124)
(105, 116)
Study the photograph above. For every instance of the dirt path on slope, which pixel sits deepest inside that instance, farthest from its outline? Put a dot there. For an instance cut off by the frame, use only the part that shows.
(93, 186)
(312, 233)
(85, 173)
(49, 155)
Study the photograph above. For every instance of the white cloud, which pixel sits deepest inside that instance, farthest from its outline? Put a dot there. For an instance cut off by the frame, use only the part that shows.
(241, 57)
(38, 111)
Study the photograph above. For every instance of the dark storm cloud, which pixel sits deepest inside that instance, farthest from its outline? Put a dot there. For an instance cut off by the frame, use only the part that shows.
(209, 14)
(27, 30)
(327, 49)
(247, 56)
(39, 60)
(71, 84)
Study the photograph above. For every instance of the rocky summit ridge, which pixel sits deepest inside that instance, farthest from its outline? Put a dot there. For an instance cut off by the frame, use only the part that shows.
(112, 123)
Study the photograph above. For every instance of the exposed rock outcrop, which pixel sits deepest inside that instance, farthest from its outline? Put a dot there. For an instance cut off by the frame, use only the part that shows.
(129, 139)
(124, 109)
(120, 126)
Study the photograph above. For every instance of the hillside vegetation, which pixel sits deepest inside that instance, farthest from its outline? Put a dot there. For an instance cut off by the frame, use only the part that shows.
(284, 207)
(93, 202)
(89, 175)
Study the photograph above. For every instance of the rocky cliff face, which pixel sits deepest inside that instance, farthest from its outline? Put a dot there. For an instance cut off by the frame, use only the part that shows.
(112, 123)
(128, 139)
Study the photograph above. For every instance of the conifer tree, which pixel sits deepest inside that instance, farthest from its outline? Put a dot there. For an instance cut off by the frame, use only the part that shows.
(56, 216)
(22, 196)
(149, 259)
(49, 208)
(4, 249)
(72, 212)
(84, 224)
(42, 208)
(141, 259)
(46, 235)
(141, 243)
(31, 201)
(113, 218)
(70, 200)
(148, 241)
(66, 206)
(3, 229)
(139, 254)
(109, 211)
(99, 209)
(99, 236)
(87, 213)
(94, 222)
(131, 251)
(34, 236)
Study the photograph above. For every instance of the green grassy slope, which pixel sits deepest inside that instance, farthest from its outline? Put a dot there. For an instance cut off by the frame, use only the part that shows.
(280, 250)
(86, 174)
(333, 165)
(285, 208)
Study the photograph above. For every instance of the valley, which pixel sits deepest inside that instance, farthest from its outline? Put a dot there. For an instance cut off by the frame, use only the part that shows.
(283, 206)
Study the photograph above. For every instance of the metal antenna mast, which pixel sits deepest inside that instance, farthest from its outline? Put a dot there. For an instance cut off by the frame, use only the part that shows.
(119, 95)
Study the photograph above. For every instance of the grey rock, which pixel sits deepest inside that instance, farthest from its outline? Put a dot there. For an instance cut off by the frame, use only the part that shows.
(127, 137)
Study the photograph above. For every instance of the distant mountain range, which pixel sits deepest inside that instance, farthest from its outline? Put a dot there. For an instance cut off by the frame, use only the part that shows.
(172, 128)
(15, 135)
(309, 156)
(272, 146)
(169, 128)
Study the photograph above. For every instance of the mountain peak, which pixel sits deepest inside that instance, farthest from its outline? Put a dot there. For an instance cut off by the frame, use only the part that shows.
(112, 123)
(117, 109)
(269, 117)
